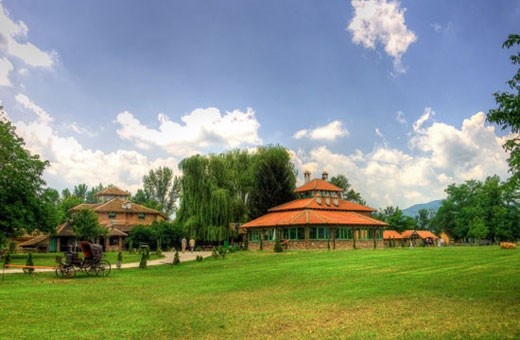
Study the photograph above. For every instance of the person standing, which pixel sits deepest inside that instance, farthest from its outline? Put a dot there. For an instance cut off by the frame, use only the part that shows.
(184, 243)
(192, 245)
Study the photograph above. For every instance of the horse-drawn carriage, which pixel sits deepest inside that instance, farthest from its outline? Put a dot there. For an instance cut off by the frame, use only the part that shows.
(92, 262)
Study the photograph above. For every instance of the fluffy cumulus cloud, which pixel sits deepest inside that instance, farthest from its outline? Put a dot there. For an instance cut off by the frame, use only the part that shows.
(200, 130)
(439, 154)
(14, 46)
(71, 163)
(329, 132)
(381, 21)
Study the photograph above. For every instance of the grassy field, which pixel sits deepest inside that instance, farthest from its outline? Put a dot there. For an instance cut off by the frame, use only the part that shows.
(466, 292)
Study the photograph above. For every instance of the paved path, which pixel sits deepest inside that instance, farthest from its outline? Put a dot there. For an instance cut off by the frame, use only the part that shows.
(167, 259)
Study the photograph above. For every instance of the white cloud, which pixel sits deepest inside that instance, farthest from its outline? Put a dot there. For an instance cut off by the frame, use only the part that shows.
(5, 68)
(440, 155)
(71, 163)
(12, 32)
(200, 129)
(428, 113)
(400, 118)
(13, 43)
(329, 132)
(381, 21)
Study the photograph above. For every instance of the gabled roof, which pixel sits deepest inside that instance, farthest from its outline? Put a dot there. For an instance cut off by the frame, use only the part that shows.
(308, 217)
(322, 203)
(122, 205)
(117, 205)
(318, 185)
(423, 234)
(391, 235)
(34, 241)
(113, 191)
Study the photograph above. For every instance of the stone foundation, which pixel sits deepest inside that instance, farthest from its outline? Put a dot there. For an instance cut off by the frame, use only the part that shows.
(319, 244)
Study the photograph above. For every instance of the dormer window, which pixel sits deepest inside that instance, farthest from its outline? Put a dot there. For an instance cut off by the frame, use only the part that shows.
(140, 216)
(111, 215)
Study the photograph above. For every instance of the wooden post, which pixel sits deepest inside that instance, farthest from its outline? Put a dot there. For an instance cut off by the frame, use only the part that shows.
(333, 238)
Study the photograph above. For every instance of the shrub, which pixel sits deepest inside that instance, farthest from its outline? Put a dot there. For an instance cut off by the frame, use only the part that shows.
(130, 246)
(7, 259)
(278, 247)
(29, 262)
(507, 245)
(219, 252)
(142, 263)
(158, 251)
(199, 258)
(176, 259)
(198, 248)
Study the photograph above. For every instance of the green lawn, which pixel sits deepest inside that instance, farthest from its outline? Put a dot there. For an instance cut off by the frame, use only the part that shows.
(466, 292)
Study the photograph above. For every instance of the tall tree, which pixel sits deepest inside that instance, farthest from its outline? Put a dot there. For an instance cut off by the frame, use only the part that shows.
(86, 225)
(342, 182)
(80, 191)
(274, 180)
(507, 114)
(21, 185)
(161, 186)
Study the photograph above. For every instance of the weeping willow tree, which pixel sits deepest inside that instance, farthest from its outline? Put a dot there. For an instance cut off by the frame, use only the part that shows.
(218, 189)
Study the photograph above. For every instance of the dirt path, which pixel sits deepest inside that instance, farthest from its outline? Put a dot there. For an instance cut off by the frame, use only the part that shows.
(167, 259)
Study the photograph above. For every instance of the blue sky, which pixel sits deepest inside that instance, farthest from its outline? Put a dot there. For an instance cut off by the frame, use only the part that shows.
(388, 93)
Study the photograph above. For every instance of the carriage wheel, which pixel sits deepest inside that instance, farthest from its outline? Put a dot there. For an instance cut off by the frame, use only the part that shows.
(103, 268)
(65, 272)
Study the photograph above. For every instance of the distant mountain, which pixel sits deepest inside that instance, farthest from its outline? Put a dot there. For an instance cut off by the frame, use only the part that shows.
(414, 209)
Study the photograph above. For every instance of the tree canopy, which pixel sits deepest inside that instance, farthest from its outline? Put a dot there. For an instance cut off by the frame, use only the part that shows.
(161, 190)
(22, 201)
(507, 113)
(232, 187)
(86, 225)
(342, 182)
(478, 210)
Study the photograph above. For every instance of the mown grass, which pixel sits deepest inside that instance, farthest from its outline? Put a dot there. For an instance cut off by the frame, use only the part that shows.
(469, 292)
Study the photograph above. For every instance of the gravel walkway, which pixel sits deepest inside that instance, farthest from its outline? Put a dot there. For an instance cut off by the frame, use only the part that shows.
(167, 259)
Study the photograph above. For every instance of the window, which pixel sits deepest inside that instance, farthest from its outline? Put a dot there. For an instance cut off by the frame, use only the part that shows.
(344, 233)
(140, 216)
(378, 232)
(112, 215)
(364, 233)
(269, 235)
(294, 234)
(255, 235)
(319, 233)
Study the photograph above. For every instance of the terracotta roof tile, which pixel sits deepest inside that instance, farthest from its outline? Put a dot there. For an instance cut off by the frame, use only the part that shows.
(318, 185)
(312, 217)
(320, 203)
(421, 233)
(391, 234)
(113, 191)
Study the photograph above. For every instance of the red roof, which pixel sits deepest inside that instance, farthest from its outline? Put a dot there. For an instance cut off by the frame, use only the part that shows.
(391, 234)
(113, 191)
(322, 203)
(312, 217)
(423, 234)
(318, 185)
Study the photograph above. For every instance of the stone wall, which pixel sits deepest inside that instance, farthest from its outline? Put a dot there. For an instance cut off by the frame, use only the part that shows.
(319, 244)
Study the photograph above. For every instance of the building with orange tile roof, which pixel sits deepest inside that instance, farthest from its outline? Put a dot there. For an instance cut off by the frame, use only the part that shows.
(319, 218)
(115, 212)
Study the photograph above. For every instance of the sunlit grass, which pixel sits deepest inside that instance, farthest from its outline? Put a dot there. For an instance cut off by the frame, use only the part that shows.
(424, 293)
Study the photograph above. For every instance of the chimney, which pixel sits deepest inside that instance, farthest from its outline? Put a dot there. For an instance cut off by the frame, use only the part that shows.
(307, 176)
(324, 175)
